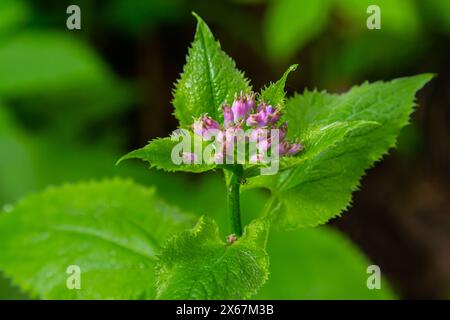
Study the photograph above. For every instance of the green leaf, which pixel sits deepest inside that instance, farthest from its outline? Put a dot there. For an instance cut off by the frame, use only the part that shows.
(62, 73)
(344, 135)
(17, 167)
(318, 263)
(13, 14)
(274, 94)
(197, 264)
(158, 153)
(209, 79)
(111, 229)
(32, 62)
(289, 24)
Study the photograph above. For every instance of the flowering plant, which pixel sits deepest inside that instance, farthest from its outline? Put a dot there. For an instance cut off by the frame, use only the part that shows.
(320, 145)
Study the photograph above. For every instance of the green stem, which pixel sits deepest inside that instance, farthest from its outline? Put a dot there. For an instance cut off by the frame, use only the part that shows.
(234, 205)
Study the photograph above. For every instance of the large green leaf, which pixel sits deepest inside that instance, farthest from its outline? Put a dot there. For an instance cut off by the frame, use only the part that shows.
(209, 78)
(343, 136)
(111, 229)
(197, 264)
(318, 263)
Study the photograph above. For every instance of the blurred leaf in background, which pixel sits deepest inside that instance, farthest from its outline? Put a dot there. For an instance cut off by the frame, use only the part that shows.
(54, 79)
(13, 14)
(317, 263)
(290, 24)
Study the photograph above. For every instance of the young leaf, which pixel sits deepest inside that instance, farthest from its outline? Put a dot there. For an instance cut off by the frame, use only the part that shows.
(111, 229)
(158, 153)
(274, 94)
(197, 264)
(209, 78)
(343, 135)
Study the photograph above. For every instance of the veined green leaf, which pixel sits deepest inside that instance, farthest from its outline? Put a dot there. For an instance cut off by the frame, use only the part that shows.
(209, 79)
(197, 264)
(158, 153)
(111, 229)
(343, 136)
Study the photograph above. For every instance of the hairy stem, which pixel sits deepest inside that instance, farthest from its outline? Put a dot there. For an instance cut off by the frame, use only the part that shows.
(234, 204)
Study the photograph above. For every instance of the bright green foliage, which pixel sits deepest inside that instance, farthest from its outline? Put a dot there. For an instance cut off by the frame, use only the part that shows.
(209, 79)
(289, 24)
(111, 229)
(197, 264)
(343, 136)
(158, 154)
(274, 93)
(42, 61)
(13, 14)
(16, 165)
(317, 263)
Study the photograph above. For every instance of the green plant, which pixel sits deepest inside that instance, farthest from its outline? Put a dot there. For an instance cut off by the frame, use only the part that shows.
(131, 244)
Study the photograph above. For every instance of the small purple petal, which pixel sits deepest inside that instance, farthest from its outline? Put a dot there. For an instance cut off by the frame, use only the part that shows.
(249, 103)
(283, 148)
(205, 127)
(188, 157)
(264, 145)
(263, 118)
(239, 109)
(210, 123)
(295, 148)
(276, 115)
(282, 131)
(228, 116)
(252, 120)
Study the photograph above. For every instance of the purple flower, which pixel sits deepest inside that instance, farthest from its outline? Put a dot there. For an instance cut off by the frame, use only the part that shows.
(263, 118)
(282, 131)
(188, 157)
(205, 127)
(267, 115)
(250, 102)
(239, 109)
(243, 106)
(227, 116)
(288, 149)
(275, 116)
(295, 148)
(244, 114)
(252, 120)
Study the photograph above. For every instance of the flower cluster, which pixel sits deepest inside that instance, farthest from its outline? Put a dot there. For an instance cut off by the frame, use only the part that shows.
(258, 121)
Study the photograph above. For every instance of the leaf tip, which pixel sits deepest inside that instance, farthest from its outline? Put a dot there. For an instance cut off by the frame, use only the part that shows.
(199, 19)
(293, 67)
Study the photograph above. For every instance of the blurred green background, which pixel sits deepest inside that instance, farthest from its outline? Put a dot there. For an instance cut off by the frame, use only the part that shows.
(72, 102)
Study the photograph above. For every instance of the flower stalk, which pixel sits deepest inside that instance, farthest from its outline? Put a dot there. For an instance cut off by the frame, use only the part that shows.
(233, 196)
